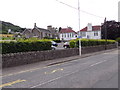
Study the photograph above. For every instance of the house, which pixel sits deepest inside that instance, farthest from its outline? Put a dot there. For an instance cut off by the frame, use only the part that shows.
(67, 34)
(91, 32)
(39, 32)
(54, 31)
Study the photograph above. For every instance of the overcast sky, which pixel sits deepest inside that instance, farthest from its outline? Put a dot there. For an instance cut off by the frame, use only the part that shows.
(25, 13)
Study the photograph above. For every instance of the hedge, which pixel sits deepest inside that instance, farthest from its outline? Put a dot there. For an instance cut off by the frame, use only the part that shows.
(25, 46)
(89, 42)
(56, 40)
(118, 39)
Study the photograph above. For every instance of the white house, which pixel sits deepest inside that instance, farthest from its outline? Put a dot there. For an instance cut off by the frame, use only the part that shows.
(67, 34)
(91, 32)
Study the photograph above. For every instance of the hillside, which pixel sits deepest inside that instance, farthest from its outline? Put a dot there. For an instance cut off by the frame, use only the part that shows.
(8, 25)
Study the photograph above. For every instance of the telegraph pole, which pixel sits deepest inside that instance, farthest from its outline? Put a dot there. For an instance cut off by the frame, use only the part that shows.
(79, 28)
(105, 33)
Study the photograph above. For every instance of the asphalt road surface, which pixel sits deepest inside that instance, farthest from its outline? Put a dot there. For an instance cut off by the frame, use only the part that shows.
(98, 71)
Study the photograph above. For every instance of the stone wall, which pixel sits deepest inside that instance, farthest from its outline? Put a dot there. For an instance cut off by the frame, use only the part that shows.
(10, 60)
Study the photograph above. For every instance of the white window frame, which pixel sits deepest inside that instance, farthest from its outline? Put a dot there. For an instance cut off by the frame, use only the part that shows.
(95, 33)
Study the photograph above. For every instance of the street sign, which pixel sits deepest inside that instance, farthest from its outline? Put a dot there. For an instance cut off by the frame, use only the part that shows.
(79, 36)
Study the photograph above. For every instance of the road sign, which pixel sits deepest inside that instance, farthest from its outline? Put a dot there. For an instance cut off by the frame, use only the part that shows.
(79, 36)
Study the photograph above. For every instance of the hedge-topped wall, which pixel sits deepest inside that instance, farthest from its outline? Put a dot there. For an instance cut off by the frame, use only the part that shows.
(90, 42)
(25, 46)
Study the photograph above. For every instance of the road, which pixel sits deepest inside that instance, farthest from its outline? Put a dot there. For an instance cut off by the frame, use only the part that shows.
(98, 71)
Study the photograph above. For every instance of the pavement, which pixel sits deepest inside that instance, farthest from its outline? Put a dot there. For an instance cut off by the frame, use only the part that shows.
(95, 70)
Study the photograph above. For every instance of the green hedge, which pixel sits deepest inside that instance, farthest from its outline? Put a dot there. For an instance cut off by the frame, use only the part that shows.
(89, 42)
(25, 46)
(56, 40)
(8, 38)
(118, 39)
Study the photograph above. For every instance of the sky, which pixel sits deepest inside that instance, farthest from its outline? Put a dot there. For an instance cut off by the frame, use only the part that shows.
(25, 13)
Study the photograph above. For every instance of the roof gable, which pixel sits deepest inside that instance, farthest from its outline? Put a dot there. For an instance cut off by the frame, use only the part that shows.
(94, 28)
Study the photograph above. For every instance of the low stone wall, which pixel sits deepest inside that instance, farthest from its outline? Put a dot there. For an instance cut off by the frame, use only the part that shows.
(91, 49)
(10, 60)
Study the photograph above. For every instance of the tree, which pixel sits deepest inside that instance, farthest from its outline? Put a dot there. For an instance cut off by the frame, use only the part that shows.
(112, 30)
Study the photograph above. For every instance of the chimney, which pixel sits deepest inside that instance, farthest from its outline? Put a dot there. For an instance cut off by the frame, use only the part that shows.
(35, 25)
(49, 27)
(89, 27)
(60, 29)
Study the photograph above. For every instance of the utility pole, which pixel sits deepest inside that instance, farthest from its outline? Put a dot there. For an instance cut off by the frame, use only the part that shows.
(79, 28)
(105, 33)
(78, 20)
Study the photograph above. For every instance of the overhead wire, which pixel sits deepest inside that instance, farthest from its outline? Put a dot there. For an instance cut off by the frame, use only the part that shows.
(80, 9)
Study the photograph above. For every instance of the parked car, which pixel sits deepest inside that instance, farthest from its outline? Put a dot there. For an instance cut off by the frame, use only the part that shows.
(54, 45)
(66, 45)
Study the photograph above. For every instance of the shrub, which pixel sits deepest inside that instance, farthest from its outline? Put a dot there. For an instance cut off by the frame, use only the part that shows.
(89, 42)
(118, 39)
(25, 46)
(56, 40)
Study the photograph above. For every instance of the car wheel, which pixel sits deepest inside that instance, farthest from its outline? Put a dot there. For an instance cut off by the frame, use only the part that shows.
(65, 46)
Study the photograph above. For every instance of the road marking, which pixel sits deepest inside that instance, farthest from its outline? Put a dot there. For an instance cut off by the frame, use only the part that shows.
(54, 71)
(30, 70)
(98, 63)
(64, 75)
(11, 83)
(53, 79)
(22, 72)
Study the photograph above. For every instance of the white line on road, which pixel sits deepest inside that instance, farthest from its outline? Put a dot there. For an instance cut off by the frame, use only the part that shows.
(98, 63)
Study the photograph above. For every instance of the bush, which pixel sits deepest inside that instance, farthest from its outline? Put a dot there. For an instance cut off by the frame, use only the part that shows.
(56, 40)
(25, 46)
(118, 40)
(89, 42)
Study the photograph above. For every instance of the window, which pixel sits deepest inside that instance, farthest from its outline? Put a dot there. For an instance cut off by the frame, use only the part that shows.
(70, 34)
(46, 34)
(95, 33)
(65, 35)
(62, 35)
(83, 34)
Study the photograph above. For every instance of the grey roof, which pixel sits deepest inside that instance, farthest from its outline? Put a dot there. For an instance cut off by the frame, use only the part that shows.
(27, 30)
(44, 30)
